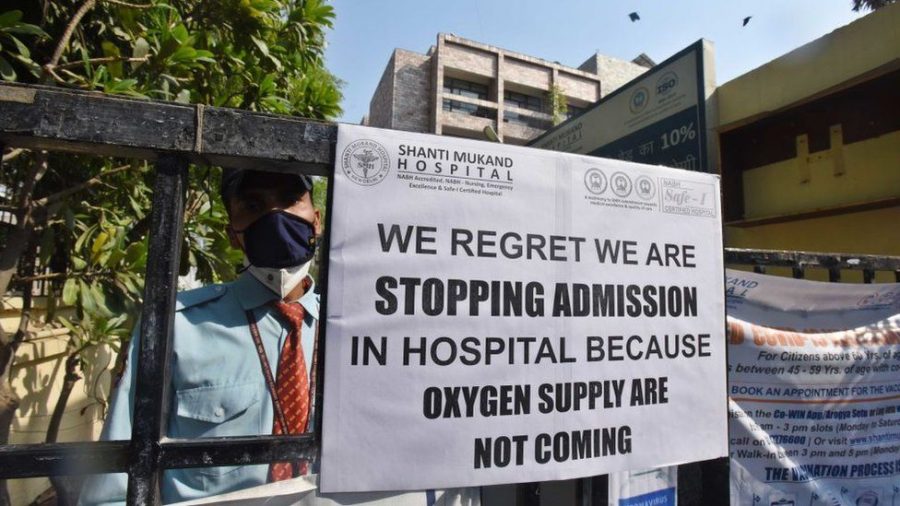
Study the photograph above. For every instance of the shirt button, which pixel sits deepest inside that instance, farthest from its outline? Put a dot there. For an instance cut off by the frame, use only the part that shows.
(219, 412)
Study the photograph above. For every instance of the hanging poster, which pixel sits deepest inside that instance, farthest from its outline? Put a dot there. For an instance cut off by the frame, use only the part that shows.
(814, 383)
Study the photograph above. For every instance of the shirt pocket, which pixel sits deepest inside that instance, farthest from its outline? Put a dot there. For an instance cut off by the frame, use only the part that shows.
(217, 411)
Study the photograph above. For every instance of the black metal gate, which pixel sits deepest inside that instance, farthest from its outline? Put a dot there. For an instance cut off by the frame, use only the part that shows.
(174, 135)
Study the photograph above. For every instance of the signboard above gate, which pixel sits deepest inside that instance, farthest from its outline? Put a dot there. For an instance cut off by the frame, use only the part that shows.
(659, 118)
(500, 314)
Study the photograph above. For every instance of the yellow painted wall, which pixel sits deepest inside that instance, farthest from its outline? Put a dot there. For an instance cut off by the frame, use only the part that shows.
(37, 377)
(872, 232)
(868, 43)
(871, 172)
(851, 54)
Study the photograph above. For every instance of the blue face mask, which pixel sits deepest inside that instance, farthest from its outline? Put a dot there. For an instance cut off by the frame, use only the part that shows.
(279, 240)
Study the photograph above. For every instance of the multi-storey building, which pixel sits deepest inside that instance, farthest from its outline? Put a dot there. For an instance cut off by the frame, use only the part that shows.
(461, 86)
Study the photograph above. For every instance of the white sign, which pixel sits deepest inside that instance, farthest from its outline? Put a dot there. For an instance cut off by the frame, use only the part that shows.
(499, 314)
(815, 391)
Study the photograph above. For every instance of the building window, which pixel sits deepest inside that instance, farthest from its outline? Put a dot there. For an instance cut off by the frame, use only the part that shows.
(521, 119)
(469, 89)
(523, 101)
(572, 111)
(467, 109)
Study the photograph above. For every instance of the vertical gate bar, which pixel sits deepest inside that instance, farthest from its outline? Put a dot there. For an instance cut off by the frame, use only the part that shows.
(323, 317)
(834, 274)
(592, 491)
(600, 490)
(528, 494)
(759, 269)
(716, 480)
(897, 275)
(868, 276)
(584, 492)
(690, 485)
(797, 272)
(151, 399)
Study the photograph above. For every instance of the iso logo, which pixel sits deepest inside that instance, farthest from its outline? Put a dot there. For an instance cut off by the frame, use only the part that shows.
(595, 181)
(639, 100)
(365, 162)
(667, 83)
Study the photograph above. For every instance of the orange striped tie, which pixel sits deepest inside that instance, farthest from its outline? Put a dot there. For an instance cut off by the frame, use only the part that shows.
(291, 389)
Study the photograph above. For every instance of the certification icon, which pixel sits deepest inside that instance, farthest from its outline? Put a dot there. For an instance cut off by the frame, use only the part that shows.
(621, 184)
(645, 188)
(595, 181)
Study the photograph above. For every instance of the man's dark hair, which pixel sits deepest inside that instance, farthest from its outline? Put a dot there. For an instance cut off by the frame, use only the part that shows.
(288, 187)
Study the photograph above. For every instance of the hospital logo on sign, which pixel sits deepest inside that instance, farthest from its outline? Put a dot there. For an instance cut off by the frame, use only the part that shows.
(365, 162)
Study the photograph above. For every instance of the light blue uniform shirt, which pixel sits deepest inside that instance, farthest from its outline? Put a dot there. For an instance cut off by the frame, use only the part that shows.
(218, 388)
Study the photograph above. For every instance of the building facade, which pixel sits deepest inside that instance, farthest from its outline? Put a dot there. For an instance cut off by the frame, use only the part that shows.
(461, 86)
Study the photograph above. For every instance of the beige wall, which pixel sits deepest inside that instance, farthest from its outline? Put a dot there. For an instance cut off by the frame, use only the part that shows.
(470, 59)
(526, 74)
(37, 376)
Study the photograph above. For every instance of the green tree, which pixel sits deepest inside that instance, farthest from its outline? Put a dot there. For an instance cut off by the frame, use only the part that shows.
(862, 5)
(83, 220)
(556, 102)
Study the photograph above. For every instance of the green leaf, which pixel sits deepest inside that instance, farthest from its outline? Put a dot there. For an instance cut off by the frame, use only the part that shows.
(33, 67)
(78, 263)
(25, 29)
(70, 291)
(263, 48)
(129, 284)
(20, 47)
(67, 324)
(101, 307)
(98, 243)
(10, 17)
(121, 33)
(87, 299)
(110, 50)
(184, 96)
(124, 86)
(79, 243)
(184, 54)
(276, 62)
(134, 252)
(180, 34)
(115, 255)
(140, 50)
(6, 70)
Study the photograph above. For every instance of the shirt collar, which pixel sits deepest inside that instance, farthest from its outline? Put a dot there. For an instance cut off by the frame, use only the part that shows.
(310, 300)
(252, 294)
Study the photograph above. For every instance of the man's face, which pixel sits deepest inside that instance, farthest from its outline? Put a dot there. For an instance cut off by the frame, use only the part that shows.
(264, 195)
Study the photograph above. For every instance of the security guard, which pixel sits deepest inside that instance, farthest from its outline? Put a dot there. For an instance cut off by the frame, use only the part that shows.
(235, 345)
